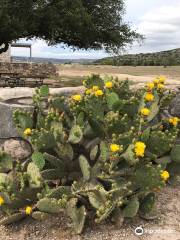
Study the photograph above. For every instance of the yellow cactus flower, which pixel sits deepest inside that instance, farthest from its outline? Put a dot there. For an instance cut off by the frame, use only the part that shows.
(95, 88)
(160, 86)
(99, 93)
(174, 121)
(89, 91)
(84, 82)
(139, 149)
(156, 81)
(145, 112)
(27, 132)
(149, 97)
(109, 84)
(150, 86)
(165, 175)
(1, 201)
(162, 79)
(115, 148)
(28, 210)
(140, 145)
(77, 98)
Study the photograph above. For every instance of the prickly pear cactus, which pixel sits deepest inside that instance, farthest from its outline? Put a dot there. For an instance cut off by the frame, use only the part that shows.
(104, 153)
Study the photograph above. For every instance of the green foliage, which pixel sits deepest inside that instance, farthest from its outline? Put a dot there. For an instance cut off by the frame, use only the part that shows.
(66, 22)
(97, 157)
(54, 161)
(40, 216)
(12, 218)
(154, 108)
(43, 139)
(112, 100)
(34, 174)
(160, 142)
(44, 91)
(131, 208)
(129, 155)
(164, 58)
(175, 153)
(6, 162)
(78, 215)
(49, 205)
(38, 159)
(85, 168)
(22, 120)
(147, 203)
(75, 135)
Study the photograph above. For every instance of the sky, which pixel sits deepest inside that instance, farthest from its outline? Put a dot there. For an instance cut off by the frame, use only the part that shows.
(157, 20)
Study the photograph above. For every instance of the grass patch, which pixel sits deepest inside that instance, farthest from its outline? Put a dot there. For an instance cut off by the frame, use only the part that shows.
(65, 81)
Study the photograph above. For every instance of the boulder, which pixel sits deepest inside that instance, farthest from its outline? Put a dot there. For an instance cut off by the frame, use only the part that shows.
(7, 127)
(174, 107)
(17, 148)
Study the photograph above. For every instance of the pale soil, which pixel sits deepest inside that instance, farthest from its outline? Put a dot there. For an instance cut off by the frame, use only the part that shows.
(167, 227)
(138, 75)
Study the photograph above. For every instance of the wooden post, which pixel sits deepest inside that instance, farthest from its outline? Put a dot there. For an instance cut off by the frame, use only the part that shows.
(30, 53)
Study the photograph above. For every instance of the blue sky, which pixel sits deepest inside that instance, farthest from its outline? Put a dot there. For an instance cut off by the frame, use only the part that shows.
(157, 20)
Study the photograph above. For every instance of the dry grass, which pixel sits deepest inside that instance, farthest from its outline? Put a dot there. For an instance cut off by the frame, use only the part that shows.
(83, 70)
(72, 75)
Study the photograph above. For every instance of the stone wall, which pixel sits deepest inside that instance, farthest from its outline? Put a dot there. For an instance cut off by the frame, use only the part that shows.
(28, 69)
(6, 57)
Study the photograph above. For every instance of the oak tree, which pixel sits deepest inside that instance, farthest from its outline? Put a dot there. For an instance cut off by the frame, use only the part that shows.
(82, 24)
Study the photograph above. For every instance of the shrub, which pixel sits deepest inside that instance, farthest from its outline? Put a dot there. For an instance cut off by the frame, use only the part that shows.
(102, 154)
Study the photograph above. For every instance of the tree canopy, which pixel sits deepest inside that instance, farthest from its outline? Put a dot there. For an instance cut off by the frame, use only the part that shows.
(82, 24)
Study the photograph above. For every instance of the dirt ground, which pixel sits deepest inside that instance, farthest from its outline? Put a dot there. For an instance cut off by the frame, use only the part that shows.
(166, 227)
(146, 71)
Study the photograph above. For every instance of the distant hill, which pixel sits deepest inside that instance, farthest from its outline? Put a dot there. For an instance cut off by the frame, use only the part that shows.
(164, 58)
(51, 60)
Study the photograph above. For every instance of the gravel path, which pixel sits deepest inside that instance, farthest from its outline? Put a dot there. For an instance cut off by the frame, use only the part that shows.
(167, 227)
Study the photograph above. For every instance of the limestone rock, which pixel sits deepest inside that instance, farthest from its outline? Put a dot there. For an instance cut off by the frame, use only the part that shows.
(16, 93)
(66, 91)
(7, 127)
(174, 107)
(7, 94)
(17, 148)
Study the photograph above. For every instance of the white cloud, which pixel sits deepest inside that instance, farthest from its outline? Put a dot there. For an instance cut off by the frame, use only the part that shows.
(160, 28)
